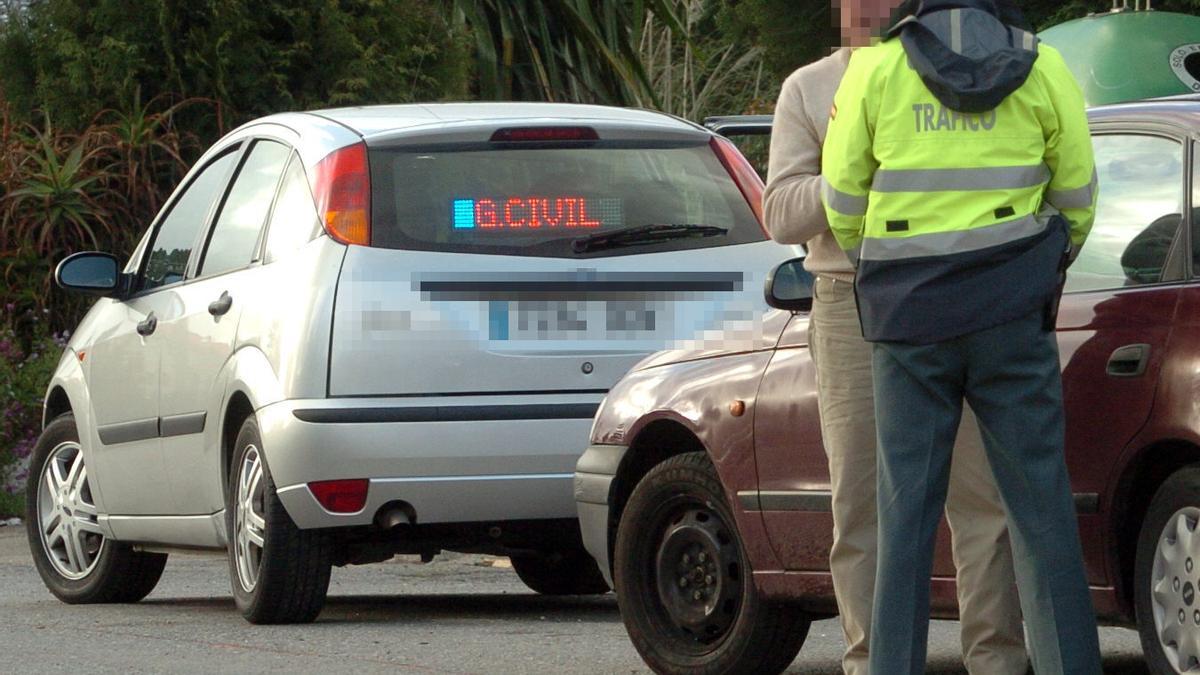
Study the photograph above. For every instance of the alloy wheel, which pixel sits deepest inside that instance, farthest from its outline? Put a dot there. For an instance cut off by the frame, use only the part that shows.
(1175, 585)
(249, 519)
(70, 532)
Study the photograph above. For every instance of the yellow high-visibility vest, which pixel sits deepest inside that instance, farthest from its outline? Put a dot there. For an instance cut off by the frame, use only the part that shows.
(920, 194)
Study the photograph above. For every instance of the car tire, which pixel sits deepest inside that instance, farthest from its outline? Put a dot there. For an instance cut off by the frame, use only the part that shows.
(571, 572)
(1163, 557)
(706, 617)
(279, 573)
(76, 560)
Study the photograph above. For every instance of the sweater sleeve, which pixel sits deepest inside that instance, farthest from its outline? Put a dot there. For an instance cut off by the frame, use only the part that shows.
(792, 197)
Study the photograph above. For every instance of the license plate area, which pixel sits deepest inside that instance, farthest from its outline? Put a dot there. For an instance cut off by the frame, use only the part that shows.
(540, 320)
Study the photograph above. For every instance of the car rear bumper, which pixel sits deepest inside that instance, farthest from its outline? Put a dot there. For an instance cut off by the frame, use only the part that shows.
(476, 461)
(594, 475)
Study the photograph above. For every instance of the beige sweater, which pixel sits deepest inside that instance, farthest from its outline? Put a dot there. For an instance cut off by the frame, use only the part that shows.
(792, 199)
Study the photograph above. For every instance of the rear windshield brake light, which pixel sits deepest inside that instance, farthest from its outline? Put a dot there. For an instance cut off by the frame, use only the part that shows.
(544, 134)
(743, 174)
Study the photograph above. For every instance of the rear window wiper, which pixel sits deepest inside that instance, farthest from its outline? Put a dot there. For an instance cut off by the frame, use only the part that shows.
(644, 234)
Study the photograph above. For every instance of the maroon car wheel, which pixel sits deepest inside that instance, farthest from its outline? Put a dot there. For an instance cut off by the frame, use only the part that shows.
(684, 584)
(1167, 575)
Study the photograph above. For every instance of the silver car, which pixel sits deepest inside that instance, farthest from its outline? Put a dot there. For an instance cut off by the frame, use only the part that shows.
(361, 332)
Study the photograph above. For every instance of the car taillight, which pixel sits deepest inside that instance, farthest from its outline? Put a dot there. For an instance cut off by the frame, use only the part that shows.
(342, 188)
(341, 496)
(747, 179)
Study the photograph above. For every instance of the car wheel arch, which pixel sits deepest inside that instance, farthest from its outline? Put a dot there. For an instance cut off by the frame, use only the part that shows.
(654, 443)
(251, 383)
(58, 403)
(237, 410)
(68, 392)
(1138, 482)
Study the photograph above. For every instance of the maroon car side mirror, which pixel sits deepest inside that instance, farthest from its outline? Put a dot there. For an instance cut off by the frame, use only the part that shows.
(789, 287)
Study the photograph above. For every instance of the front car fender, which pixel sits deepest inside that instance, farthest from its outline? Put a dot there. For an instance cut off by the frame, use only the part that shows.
(698, 396)
(69, 380)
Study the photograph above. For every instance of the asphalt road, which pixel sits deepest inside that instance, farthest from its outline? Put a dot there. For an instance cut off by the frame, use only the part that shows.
(458, 614)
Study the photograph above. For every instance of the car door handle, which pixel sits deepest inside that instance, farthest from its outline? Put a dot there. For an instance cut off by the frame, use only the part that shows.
(147, 326)
(221, 305)
(1129, 361)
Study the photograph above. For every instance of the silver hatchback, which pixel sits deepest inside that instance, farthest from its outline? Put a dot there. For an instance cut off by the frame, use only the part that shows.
(361, 332)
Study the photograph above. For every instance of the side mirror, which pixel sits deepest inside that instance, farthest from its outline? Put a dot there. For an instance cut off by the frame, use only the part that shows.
(789, 287)
(89, 272)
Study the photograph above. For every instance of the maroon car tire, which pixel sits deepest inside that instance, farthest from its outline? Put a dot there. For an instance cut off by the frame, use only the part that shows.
(1166, 576)
(684, 583)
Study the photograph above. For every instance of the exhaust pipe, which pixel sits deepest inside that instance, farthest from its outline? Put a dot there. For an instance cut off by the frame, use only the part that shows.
(394, 514)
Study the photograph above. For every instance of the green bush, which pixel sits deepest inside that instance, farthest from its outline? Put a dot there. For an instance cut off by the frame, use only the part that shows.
(25, 370)
(96, 189)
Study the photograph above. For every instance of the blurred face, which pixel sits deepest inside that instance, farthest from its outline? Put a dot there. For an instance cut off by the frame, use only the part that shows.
(863, 19)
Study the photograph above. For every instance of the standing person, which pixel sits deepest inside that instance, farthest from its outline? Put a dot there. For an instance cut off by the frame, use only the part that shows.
(992, 640)
(959, 171)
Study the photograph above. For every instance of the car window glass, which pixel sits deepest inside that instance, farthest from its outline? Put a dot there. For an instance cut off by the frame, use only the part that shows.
(1138, 215)
(233, 239)
(756, 148)
(536, 201)
(1195, 206)
(131, 267)
(294, 221)
(173, 242)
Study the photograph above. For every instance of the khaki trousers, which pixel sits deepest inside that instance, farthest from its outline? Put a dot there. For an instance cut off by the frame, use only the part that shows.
(992, 635)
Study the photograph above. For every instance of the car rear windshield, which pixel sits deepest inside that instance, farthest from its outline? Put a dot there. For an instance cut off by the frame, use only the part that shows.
(537, 201)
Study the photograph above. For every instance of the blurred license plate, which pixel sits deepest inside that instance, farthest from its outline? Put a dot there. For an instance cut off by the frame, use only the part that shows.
(570, 319)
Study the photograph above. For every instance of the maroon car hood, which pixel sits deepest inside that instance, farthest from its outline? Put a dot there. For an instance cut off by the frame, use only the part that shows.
(735, 338)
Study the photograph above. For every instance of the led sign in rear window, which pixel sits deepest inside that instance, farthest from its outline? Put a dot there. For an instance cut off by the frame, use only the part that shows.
(534, 201)
(530, 214)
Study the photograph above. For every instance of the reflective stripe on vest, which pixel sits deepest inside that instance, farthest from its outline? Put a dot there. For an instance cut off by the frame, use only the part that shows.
(847, 204)
(956, 44)
(1079, 198)
(960, 180)
(957, 241)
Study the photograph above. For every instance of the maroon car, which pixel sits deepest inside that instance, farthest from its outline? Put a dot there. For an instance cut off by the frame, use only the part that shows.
(704, 495)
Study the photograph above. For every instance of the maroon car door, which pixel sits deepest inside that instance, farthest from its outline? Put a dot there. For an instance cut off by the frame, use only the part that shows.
(1116, 314)
(793, 474)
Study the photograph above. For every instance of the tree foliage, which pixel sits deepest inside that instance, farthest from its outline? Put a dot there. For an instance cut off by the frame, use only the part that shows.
(561, 50)
(703, 66)
(63, 191)
(795, 32)
(72, 58)
(680, 56)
